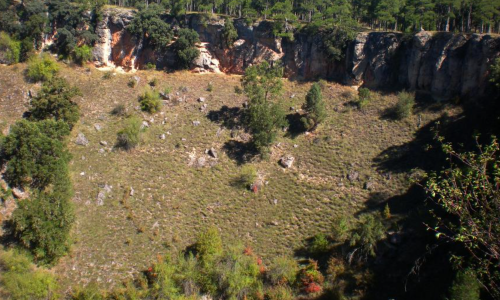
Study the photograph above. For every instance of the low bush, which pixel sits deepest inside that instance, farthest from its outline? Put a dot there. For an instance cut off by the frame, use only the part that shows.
(107, 75)
(150, 66)
(132, 83)
(283, 270)
(82, 54)
(247, 177)
(210, 87)
(465, 286)
(10, 49)
(279, 292)
(364, 97)
(153, 82)
(54, 102)
(319, 244)
(404, 107)
(41, 68)
(129, 137)
(119, 110)
(21, 281)
(367, 234)
(150, 101)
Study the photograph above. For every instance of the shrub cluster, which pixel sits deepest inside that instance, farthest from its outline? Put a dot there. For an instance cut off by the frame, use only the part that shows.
(36, 157)
(20, 280)
(41, 68)
(150, 101)
(10, 49)
(129, 137)
(404, 107)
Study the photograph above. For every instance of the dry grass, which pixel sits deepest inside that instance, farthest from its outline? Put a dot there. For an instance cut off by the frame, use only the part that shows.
(172, 201)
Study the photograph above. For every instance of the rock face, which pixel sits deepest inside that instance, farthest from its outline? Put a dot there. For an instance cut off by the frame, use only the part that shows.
(445, 65)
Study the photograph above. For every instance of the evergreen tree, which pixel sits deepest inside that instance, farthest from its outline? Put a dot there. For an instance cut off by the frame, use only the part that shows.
(314, 107)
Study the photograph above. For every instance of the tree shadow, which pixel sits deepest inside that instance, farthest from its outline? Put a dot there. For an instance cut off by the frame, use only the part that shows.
(229, 117)
(241, 152)
(295, 125)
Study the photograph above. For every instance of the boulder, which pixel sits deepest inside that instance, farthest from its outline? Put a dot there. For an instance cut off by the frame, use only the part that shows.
(353, 176)
(287, 161)
(212, 152)
(81, 140)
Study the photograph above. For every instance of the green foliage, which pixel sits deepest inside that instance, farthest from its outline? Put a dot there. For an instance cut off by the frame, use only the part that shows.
(283, 270)
(150, 101)
(468, 191)
(209, 245)
(41, 68)
(314, 107)
(404, 107)
(65, 42)
(247, 177)
(364, 97)
(10, 49)
(280, 292)
(184, 47)
(336, 38)
(42, 224)
(90, 292)
(387, 212)
(129, 137)
(494, 72)
(210, 87)
(229, 34)
(119, 110)
(465, 286)
(54, 102)
(149, 25)
(262, 84)
(150, 66)
(132, 83)
(153, 82)
(107, 75)
(340, 229)
(369, 231)
(21, 281)
(82, 54)
(35, 152)
(319, 244)
(238, 275)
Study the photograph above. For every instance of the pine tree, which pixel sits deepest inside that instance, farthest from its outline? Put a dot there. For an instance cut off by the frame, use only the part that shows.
(314, 107)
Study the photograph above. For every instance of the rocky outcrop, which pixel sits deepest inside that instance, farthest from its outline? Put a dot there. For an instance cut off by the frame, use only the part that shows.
(443, 64)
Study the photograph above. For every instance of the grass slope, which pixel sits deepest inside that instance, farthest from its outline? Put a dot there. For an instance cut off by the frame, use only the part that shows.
(172, 201)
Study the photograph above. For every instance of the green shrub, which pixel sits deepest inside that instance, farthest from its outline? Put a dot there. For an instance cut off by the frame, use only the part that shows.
(153, 82)
(132, 83)
(129, 137)
(495, 73)
(107, 75)
(404, 107)
(247, 177)
(43, 223)
(340, 229)
(279, 292)
(210, 87)
(150, 66)
(314, 107)
(167, 90)
(10, 49)
(82, 54)
(35, 152)
(367, 234)
(209, 245)
(150, 101)
(364, 97)
(41, 68)
(185, 48)
(21, 281)
(319, 244)
(465, 286)
(229, 34)
(283, 270)
(90, 292)
(119, 110)
(54, 102)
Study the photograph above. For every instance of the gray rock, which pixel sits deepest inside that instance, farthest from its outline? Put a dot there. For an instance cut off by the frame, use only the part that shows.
(200, 162)
(163, 136)
(352, 176)
(145, 124)
(19, 193)
(201, 99)
(97, 127)
(212, 152)
(81, 140)
(196, 123)
(103, 143)
(164, 96)
(287, 161)
(369, 185)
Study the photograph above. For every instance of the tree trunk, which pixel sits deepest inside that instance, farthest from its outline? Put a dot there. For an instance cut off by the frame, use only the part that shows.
(447, 26)
(469, 19)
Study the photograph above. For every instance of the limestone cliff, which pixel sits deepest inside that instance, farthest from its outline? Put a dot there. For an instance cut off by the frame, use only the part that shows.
(443, 64)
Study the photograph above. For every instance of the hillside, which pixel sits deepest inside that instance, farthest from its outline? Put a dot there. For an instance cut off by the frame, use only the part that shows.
(176, 195)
